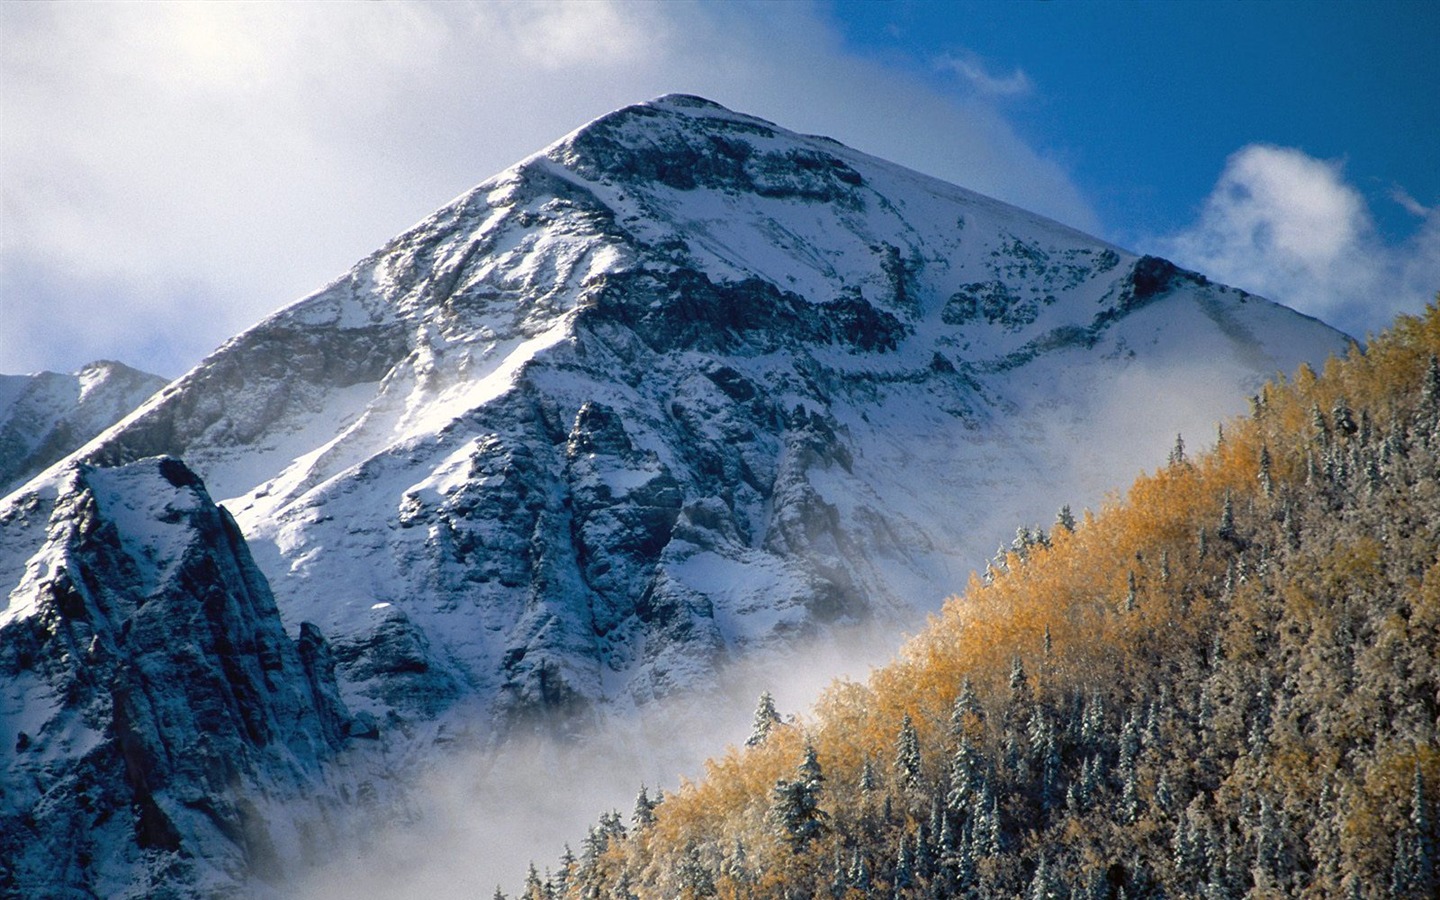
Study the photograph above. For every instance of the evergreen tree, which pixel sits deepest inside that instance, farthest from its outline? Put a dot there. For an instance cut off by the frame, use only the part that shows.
(967, 777)
(904, 876)
(966, 704)
(1019, 684)
(1226, 530)
(534, 890)
(1065, 518)
(907, 758)
(1413, 872)
(1430, 395)
(644, 815)
(1046, 884)
(1177, 455)
(859, 874)
(766, 718)
(796, 804)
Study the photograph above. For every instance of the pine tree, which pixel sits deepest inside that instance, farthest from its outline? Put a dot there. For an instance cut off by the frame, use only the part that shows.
(1046, 883)
(869, 781)
(1065, 518)
(795, 809)
(1413, 871)
(859, 874)
(967, 777)
(766, 718)
(904, 876)
(907, 757)
(1343, 419)
(533, 888)
(1177, 455)
(644, 815)
(1430, 395)
(1270, 862)
(967, 704)
(1422, 826)
(1019, 684)
(1226, 530)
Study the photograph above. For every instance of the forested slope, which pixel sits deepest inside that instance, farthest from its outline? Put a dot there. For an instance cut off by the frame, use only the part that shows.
(1225, 685)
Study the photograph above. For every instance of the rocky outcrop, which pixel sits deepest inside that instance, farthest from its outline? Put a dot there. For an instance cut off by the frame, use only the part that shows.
(161, 722)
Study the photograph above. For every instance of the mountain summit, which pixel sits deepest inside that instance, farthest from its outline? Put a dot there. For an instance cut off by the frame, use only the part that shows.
(682, 386)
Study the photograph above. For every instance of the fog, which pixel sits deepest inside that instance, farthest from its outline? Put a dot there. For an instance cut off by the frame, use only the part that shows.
(477, 817)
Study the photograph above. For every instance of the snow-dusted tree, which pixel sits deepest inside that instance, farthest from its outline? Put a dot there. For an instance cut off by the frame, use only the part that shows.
(1413, 872)
(1046, 885)
(907, 757)
(795, 807)
(766, 718)
(1065, 518)
(644, 815)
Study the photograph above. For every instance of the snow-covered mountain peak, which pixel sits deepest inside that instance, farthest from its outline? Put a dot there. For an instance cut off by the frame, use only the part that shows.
(683, 388)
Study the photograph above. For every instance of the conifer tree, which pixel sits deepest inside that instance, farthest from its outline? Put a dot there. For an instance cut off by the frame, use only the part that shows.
(1177, 455)
(904, 870)
(796, 805)
(1065, 518)
(766, 718)
(907, 757)
(1413, 871)
(644, 815)
(1046, 884)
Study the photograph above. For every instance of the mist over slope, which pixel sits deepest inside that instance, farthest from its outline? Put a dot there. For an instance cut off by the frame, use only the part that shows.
(680, 391)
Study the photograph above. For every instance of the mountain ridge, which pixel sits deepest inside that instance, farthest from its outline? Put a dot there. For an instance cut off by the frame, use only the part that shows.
(681, 389)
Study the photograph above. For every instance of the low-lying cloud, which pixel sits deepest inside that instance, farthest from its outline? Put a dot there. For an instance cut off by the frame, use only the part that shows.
(477, 818)
(1289, 227)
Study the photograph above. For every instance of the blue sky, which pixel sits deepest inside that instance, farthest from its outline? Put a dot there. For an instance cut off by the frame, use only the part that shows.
(207, 164)
(1143, 102)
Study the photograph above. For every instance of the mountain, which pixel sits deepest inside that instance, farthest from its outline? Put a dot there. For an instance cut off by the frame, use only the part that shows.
(1227, 685)
(162, 732)
(46, 416)
(682, 389)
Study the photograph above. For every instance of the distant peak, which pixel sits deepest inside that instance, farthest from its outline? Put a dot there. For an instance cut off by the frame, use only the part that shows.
(686, 101)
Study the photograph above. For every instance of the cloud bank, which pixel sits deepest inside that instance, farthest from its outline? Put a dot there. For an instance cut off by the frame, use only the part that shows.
(171, 173)
(1289, 227)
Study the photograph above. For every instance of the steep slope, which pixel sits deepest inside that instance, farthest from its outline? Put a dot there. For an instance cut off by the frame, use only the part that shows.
(682, 385)
(162, 733)
(1226, 686)
(682, 388)
(46, 416)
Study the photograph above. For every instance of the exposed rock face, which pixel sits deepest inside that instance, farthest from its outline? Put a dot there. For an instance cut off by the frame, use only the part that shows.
(156, 716)
(682, 388)
(44, 417)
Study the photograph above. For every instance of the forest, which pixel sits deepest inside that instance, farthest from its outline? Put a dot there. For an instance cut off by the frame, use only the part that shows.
(1225, 683)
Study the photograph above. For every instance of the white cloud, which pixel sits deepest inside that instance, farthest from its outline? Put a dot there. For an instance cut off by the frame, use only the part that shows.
(1408, 203)
(1289, 227)
(978, 76)
(189, 168)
